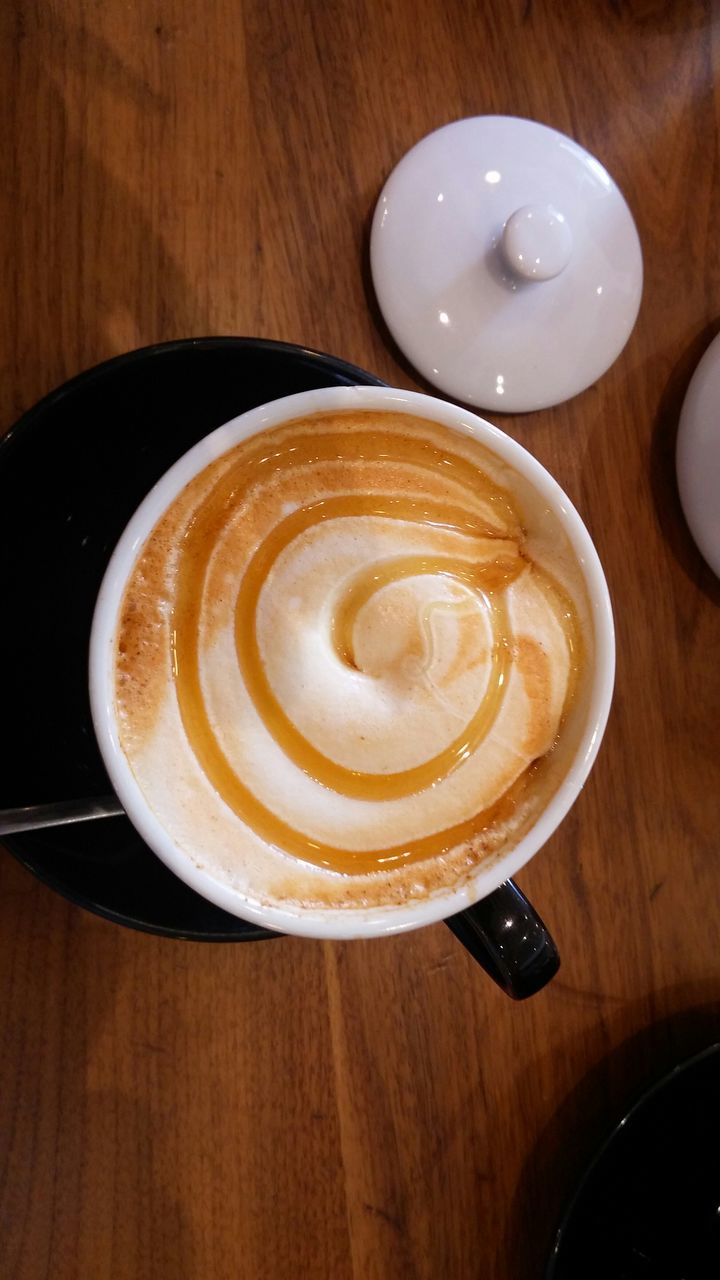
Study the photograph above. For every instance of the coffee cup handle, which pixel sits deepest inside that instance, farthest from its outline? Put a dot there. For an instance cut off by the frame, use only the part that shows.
(507, 937)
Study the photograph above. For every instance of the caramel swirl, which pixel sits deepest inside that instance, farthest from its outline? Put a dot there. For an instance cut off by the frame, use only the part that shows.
(483, 555)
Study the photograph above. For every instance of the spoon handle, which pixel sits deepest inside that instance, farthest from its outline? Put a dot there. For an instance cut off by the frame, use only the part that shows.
(56, 815)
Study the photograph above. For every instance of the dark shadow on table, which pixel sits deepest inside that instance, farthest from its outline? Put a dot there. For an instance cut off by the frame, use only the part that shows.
(90, 274)
(146, 1220)
(589, 1114)
(667, 16)
(89, 1174)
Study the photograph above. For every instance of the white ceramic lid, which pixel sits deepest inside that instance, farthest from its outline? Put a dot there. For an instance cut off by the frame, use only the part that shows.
(506, 263)
(698, 455)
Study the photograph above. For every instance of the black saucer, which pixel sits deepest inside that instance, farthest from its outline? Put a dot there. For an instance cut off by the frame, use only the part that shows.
(72, 471)
(648, 1207)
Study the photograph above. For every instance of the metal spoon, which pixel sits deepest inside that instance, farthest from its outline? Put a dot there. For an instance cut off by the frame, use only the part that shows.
(57, 815)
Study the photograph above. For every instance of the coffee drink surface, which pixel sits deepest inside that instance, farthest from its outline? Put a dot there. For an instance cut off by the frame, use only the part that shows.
(350, 662)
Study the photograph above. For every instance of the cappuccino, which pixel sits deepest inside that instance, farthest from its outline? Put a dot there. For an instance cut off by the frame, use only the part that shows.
(350, 661)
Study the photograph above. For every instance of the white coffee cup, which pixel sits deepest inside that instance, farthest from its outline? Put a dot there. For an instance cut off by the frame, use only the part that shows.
(486, 878)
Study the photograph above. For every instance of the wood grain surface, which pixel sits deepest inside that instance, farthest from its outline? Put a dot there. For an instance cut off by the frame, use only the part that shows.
(369, 1110)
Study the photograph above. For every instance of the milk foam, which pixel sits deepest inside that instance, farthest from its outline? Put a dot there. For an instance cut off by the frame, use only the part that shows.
(425, 651)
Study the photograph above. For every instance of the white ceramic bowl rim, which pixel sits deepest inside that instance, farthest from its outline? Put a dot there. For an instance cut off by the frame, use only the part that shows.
(338, 922)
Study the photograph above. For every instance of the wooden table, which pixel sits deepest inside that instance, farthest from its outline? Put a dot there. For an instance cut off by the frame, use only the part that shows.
(380, 1109)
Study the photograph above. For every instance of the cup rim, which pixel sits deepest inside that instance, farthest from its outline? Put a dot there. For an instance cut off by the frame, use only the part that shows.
(487, 876)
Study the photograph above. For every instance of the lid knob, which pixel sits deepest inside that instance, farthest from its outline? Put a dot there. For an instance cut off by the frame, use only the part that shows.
(537, 242)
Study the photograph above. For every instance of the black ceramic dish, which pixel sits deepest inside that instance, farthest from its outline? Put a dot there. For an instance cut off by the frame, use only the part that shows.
(648, 1207)
(72, 471)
